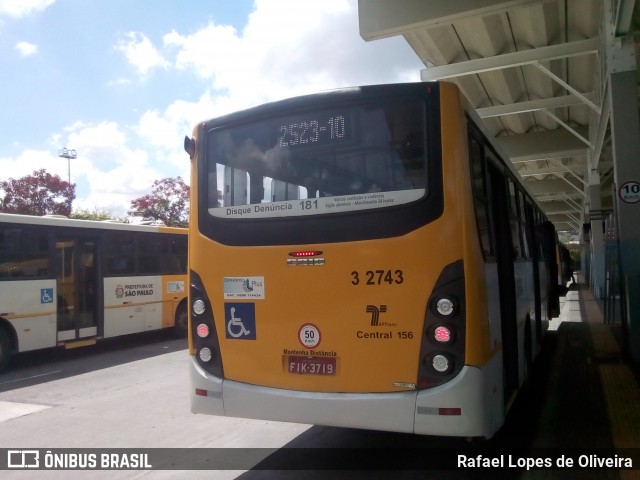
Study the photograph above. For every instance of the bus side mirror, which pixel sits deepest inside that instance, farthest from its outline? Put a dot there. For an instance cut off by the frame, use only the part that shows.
(190, 146)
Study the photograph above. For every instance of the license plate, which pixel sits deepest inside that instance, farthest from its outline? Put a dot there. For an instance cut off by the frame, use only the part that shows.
(310, 365)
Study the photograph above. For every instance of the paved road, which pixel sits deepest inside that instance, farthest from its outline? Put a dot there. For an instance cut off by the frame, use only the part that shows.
(128, 394)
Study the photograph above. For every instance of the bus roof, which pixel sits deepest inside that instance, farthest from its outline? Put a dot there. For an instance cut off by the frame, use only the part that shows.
(61, 221)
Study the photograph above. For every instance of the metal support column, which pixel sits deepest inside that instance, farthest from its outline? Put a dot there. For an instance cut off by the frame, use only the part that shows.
(597, 272)
(625, 130)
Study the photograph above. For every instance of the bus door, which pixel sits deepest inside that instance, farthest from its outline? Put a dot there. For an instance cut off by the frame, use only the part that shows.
(77, 287)
(506, 279)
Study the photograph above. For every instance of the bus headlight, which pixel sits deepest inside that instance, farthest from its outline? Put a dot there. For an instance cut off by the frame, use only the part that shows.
(198, 307)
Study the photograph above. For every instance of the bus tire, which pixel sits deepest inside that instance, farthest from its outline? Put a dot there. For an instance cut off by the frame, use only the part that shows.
(5, 349)
(181, 323)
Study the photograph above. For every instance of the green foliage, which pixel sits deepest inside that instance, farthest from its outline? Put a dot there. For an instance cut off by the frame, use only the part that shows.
(574, 252)
(95, 214)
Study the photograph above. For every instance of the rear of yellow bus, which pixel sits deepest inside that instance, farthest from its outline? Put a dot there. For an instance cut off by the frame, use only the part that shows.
(326, 263)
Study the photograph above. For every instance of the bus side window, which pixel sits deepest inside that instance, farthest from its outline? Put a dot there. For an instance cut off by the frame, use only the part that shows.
(120, 250)
(478, 178)
(119, 265)
(513, 220)
(23, 253)
(179, 248)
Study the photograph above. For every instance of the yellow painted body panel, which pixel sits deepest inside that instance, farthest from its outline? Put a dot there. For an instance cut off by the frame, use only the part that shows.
(326, 297)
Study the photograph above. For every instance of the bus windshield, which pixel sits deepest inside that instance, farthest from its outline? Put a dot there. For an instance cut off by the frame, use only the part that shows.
(328, 160)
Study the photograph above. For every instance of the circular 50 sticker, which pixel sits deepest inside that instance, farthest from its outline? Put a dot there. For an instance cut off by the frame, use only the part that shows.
(309, 335)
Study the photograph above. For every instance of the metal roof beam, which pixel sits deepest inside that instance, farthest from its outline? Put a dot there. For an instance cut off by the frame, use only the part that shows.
(565, 85)
(568, 127)
(382, 18)
(624, 17)
(507, 60)
(566, 169)
(548, 171)
(554, 197)
(531, 106)
(601, 122)
(552, 186)
(543, 145)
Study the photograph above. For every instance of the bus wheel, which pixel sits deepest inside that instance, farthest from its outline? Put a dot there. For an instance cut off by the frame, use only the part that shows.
(181, 324)
(5, 349)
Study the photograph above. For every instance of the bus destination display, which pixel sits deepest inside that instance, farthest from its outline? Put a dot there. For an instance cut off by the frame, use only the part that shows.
(321, 130)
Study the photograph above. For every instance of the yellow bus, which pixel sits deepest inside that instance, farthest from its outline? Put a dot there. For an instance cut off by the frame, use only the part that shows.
(363, 258)
(70, 283)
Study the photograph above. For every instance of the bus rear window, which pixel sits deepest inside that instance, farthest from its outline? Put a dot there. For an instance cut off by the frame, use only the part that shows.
(339, 159)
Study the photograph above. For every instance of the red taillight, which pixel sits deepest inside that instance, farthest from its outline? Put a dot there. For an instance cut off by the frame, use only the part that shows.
(202, 330)
(305, 253)
(201, 392)
(442, 334)
(451, 411)
(423, 383)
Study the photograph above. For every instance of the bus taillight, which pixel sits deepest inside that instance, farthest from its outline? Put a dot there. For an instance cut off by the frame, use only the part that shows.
(442, 352)
(442, 334)
(198, 307)
(441, 363)
(445, 306)
(305, 253)
(204, 336)
(202, 330)
(205, 354)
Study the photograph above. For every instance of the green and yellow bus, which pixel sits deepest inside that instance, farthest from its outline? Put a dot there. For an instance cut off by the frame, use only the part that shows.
(363, 258)
(70, 283)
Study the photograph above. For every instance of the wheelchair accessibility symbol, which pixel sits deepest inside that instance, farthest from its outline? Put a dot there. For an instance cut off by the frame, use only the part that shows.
(46, 295)
(240, 319)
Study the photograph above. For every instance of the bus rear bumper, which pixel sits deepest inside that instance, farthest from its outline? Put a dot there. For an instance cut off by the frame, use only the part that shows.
(453, 409)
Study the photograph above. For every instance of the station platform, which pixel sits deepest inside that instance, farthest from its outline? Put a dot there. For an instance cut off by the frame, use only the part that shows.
(590, 397)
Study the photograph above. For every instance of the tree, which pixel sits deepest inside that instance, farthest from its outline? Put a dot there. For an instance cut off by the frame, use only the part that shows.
(38, 194)
(168, 201)
(95, 214)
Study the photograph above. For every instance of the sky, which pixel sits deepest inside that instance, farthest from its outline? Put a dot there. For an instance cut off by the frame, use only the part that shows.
(123, 81)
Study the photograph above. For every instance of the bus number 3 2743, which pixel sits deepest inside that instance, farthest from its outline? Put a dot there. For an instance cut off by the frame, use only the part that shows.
(377, 277)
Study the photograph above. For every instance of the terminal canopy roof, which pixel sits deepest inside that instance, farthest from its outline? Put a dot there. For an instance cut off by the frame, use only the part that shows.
(536, 71)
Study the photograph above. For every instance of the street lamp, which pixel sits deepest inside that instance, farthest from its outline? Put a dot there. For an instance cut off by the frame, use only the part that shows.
(68, 154)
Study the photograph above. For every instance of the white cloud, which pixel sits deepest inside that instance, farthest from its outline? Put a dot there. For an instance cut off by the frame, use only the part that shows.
(26, 49)
(207, 51)
(108, 172)
(119, 82)
(22, 8)
(31, 160)
(141, 53)
(281, 54)
(161, 129)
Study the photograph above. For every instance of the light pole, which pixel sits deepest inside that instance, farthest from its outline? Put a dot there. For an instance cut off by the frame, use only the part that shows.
(68, 154)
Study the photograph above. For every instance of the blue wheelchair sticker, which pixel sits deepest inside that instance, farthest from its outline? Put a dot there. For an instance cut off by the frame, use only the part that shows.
(46, 295)
(240, 319)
